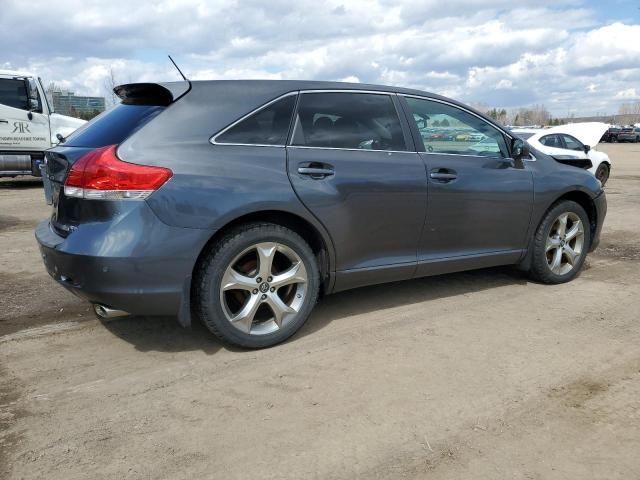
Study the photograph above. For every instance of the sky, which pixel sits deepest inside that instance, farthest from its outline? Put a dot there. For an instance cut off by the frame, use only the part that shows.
(578, 57)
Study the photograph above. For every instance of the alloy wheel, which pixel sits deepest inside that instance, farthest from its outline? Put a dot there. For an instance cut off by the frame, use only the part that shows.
(565, 243)
(263, 288)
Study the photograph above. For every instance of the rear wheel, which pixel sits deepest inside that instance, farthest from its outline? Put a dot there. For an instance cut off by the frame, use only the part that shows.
(561, 243)
(602, 173)
(257, 286)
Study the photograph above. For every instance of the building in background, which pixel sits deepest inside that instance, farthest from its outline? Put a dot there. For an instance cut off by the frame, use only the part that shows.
(67, 103)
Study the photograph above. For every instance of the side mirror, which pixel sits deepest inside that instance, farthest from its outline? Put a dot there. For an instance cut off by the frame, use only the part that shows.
(587, 148)
(519, 149)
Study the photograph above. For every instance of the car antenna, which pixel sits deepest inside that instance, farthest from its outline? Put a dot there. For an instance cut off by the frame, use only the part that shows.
(179, 71)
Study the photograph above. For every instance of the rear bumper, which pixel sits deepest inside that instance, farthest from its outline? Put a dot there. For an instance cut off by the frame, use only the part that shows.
(601, 212)
(138, 268)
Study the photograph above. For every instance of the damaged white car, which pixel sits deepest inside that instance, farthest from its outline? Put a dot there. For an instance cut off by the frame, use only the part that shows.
(574, 140)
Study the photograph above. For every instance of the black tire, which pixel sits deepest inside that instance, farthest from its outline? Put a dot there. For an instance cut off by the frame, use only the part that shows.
(614, 139)
(602, 173)
(209, 273)
(540, 269)
(637, 139)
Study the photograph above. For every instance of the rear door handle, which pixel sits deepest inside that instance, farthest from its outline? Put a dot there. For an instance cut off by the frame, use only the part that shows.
(443, 175)
(316, 171)
(2, 120)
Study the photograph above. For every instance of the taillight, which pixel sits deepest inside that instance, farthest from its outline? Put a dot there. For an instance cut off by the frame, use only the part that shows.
(101, 175)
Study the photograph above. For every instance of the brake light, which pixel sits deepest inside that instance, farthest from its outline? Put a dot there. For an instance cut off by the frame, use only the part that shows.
(101, 175)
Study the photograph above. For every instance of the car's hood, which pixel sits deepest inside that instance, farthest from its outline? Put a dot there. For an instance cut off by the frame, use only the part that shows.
(588, 133)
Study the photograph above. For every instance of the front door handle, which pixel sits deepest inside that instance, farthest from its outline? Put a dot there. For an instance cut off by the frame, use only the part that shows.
(2, 120)
(443, 175)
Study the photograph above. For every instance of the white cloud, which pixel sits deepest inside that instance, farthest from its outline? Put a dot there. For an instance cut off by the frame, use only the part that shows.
(628, 94)
(557, 52)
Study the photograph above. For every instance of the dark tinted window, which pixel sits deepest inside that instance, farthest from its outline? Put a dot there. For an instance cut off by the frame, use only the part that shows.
(113, 126)
(268, 126)
(13, 93)
(448, 129)
(364, 121)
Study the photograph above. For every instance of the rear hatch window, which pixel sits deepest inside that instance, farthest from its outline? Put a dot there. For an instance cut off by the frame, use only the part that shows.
(113, 126)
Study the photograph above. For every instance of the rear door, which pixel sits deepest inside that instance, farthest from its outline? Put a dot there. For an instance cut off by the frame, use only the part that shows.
(479, 200)
(353, 166)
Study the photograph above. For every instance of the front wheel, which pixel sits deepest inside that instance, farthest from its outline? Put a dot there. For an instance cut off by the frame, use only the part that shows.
(602, 173)
(561, 243)
(257, 286)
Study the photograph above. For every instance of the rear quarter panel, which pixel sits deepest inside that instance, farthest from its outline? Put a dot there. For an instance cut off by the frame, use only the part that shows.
(213, 185)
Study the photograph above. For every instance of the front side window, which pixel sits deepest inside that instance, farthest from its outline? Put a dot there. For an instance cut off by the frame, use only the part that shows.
(572, 143)
(268, 126)
(361, 121)
(451, 130)
(13, 93)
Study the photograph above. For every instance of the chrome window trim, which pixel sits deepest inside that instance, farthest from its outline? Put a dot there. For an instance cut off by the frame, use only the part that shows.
(213, 141)
(374, 92)
(347, 90)
(351, 149)
(461, 155)
(497, 127)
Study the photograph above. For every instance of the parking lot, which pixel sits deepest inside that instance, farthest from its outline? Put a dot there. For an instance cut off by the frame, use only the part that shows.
(474, 375)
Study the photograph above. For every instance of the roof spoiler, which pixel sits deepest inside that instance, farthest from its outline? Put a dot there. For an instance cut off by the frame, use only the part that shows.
(144, 94)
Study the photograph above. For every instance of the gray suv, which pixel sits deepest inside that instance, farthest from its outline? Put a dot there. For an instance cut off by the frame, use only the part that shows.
(240, 202)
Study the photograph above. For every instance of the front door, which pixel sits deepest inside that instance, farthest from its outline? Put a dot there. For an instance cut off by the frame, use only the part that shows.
(350, 164)
(479, 202)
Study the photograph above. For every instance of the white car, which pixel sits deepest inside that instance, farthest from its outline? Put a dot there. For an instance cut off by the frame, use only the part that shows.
(576, 140)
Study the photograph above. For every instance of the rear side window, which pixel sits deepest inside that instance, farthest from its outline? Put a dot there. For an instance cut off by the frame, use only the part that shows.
(268, 126)
(113, 126)
(553, 141)
(13, 93)
(362, 121)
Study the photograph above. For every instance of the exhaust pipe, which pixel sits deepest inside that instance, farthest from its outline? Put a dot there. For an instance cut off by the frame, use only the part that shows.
(106, 312)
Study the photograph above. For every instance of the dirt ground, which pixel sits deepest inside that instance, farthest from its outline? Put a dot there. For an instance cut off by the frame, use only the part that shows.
(481, 375)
